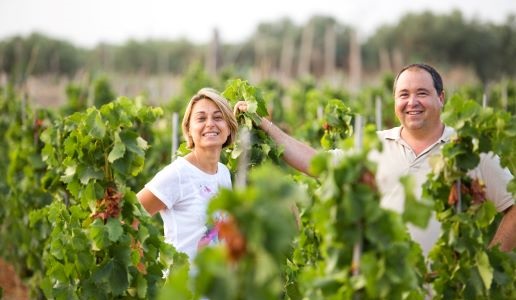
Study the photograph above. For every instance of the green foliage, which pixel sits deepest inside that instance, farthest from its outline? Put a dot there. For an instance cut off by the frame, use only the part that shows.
(503, 96)
(68, 205)
(415, 211)
(463, 265)
(298, 94)
(261, 145)
(273, 93)
(20, 186)
(102, 91)
(77, 99)
(325, 116)
(365, 251)
(337, 124)
(93, 251)
(480, 131)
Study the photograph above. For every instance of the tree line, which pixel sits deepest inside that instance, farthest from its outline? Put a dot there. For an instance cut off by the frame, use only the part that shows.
(320, 47)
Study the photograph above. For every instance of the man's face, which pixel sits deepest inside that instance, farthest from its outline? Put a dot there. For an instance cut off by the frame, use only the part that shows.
(417, 104)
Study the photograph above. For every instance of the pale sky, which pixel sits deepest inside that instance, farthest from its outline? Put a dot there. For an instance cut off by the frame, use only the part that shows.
(86, 23)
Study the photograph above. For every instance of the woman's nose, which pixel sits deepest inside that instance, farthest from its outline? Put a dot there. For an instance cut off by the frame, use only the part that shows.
(210, 122)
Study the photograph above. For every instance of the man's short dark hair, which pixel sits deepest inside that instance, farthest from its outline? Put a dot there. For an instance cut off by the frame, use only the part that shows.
(436, 77)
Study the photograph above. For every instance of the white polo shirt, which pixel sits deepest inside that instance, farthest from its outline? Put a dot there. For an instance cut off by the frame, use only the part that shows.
(398, 159)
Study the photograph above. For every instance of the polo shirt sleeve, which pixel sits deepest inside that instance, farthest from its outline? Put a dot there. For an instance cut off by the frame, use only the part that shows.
(496, 180)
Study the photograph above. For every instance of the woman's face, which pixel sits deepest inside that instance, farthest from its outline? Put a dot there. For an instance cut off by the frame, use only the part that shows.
(208, 128)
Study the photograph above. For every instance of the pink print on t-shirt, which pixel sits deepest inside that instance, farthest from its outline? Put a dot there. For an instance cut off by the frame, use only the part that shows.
(206, 192)
(211, 237)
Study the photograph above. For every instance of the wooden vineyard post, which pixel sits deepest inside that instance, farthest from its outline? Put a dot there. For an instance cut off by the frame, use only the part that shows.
(378, 112)
(175, 134)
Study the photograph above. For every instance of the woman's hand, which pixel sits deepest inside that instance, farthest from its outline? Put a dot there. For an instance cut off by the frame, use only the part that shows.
(240, 107)
(261, 122)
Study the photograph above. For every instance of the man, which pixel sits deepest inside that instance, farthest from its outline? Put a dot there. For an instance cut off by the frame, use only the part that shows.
(419, 99)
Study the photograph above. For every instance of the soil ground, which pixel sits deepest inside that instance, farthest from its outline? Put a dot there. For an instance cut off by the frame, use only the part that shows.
(13, 287)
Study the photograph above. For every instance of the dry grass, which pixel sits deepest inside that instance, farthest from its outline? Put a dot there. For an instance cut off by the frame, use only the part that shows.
(50, 91)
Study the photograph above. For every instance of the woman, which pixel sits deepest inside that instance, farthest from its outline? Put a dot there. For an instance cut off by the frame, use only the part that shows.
(182, 190)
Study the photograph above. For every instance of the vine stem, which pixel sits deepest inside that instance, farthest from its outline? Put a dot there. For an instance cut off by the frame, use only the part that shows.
(357, 247)
(106, 167)
(357, 253)
(458, 204)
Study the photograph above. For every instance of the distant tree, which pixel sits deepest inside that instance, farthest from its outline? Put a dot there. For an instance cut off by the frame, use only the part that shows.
(450, 40)
(507, 51)
(153, 56)
(38, 54)
(446, 40)
(267, 41)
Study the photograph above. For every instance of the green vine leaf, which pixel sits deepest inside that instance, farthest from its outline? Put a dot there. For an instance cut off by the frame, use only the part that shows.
(118, 150)
(114, 229)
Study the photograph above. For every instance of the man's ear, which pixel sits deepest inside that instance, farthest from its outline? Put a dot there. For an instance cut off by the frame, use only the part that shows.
(442, 98)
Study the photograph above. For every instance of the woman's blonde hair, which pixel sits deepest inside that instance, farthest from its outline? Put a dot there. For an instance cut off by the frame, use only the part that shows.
(222, 103)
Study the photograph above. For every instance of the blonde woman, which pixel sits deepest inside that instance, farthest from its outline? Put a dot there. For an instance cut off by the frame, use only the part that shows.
(181, 191)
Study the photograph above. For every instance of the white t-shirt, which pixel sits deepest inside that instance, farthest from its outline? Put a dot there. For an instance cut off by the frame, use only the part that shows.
(186, 191)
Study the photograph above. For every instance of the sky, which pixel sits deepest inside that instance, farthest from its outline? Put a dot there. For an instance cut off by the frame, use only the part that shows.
(86, 23)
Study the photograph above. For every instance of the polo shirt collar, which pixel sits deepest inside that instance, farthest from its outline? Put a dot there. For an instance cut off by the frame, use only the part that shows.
(395, 134)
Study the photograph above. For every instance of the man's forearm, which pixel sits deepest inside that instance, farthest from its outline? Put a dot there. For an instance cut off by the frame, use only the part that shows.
(295, 153)
(506, 232)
